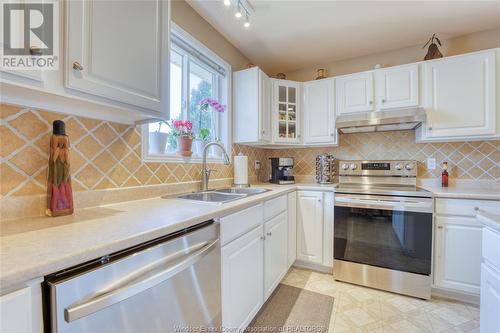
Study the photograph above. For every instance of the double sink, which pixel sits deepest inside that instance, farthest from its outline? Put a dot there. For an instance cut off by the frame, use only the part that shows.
(222, 195)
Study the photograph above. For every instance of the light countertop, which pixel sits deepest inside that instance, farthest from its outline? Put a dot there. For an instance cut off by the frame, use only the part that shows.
(31, 248)
(34, 247)
(490, 220)
(466, 190)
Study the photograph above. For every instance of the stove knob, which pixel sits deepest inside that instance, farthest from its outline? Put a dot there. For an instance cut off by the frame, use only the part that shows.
(345, 166)
(398, 167)
(409, 167)
(353, 166)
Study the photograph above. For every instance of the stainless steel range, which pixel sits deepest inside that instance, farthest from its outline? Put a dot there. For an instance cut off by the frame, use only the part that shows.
(383, 227)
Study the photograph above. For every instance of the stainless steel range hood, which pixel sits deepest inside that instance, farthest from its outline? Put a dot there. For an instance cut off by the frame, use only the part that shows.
(380, 121)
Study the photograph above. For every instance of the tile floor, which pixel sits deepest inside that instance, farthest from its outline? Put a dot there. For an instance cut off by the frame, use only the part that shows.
(360, 309)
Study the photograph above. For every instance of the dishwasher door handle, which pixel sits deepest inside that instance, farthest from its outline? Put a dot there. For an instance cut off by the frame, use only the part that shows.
(113, 296)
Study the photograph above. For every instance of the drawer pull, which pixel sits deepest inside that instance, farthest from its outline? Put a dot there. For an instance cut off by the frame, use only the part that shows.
(476, 209)
(77, 66)
(269, 234)
(440, 227)
(263, 237)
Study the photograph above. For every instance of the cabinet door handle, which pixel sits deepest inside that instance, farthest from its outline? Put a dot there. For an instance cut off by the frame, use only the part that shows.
(430, 128)
(298, 136)
(370, 102)
(383, 101)
(263, 237)
(332, 134)
(319, 200)
(476, 209)
(440, 227)
(269, 233)
(263, 132)
(77, 66)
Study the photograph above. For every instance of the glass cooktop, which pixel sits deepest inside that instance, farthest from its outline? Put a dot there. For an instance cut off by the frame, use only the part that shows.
(400, 190)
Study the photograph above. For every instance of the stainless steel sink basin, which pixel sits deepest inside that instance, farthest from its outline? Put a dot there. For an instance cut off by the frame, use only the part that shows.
(211, 196)
(244, 190)
(222, 195)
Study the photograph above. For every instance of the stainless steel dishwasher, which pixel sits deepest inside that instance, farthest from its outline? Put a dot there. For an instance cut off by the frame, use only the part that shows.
(166, 285)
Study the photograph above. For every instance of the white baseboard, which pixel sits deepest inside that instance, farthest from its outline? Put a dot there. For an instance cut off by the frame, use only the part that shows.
(455, 295)
(313, 266)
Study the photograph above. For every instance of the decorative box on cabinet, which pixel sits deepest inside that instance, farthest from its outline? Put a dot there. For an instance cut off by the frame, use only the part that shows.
(319, 112)
(110, 58)
(460, 97)
(252, 91)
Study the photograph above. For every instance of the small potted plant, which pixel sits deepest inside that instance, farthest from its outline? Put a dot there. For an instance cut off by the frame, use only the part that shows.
(202, 140)
(183, 131)
(158, 140)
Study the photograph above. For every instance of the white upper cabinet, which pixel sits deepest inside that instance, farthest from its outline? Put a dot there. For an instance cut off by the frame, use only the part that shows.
(285, 111)
(354, 93)
(319, 112)
(109, 57)
(397, 87)
(460, 97)
(252, 91)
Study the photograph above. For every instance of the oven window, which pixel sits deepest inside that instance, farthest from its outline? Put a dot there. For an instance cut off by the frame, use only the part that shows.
(384, 238)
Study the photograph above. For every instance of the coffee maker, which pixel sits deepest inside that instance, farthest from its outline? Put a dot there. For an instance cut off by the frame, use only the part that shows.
(281, 170)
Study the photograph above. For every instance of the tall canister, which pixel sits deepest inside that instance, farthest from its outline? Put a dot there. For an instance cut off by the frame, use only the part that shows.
(325, 168)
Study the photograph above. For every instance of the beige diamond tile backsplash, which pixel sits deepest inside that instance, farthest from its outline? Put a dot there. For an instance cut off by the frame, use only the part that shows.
(467, 160)
(107, 155)
(103, 154)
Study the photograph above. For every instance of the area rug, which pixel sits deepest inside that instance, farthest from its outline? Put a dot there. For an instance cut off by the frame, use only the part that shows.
(291, 309)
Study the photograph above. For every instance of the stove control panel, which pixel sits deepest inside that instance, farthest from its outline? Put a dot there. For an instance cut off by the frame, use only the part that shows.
(394, 168)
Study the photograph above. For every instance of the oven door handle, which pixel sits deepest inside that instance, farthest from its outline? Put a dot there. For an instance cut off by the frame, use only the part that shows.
(383, 204)
(122, 291)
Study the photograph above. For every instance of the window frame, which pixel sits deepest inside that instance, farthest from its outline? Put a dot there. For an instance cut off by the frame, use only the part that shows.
(223, 122)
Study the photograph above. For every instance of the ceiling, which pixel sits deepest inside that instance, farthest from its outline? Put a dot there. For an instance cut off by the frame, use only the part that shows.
(288, 35)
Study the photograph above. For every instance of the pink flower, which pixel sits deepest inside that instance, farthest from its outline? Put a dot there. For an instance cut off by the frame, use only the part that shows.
(206, 102)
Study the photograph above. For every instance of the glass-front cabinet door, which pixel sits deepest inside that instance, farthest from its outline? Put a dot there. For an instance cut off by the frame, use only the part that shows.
(285, 112)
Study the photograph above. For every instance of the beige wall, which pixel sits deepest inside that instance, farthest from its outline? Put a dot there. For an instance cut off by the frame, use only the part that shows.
(188, 19)
(463, 44)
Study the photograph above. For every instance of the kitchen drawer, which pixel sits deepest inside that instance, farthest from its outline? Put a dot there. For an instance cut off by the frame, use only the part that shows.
(466, 207)
(491, 248)
(274, 206)
(235, 225)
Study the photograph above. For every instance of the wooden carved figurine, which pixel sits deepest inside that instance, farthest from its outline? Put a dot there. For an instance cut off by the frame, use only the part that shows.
(433, 51)
(59, 193)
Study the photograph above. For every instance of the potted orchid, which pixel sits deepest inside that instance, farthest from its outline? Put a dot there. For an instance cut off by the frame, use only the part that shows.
(204, 134)
(183, 131)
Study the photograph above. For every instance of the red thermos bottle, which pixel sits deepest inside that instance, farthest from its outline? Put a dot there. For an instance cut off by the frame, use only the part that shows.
(444, 175)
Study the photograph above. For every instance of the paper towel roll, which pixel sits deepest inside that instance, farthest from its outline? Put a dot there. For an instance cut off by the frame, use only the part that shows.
(241, 169)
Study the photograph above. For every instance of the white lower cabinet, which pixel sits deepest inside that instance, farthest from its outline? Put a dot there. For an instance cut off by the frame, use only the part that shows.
(490, 280)
(490, 300)
(458, 254)
(457, 243)
(275, 252)
(328, 207)
(254, 259)
(242, 279)
(292, 228)
(21, 310)
(310, 226)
